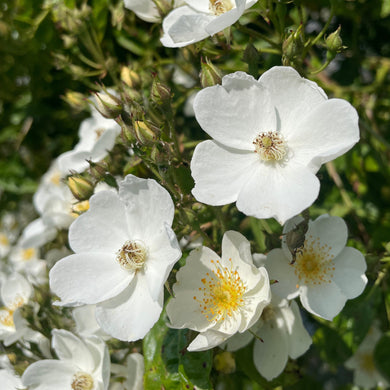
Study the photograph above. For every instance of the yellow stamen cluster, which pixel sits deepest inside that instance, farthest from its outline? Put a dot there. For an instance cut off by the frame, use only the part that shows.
(82, 381)
(4, 239)
(18, 301)
(221, 293)
(56, 179)
(132, 255)
(219, 7)
(99, 133)
(314, 264)
(28, 254)
(270, 146)
(7, 317)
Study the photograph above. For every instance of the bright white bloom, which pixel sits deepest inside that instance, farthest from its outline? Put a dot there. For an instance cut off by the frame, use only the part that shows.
(86, 325)
(199, 19)
(147, 9)
(325, 274)
(219, 296)
(84, 364)
(15, 292)
(132, 371)
(125, 245)
(270, 137)
(362, 362)
(97, 137)
(9, 381)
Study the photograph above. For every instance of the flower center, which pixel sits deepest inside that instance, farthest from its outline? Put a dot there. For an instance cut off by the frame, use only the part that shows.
(270, 146)
(56, 178)
(314, 264)
(28, 254)
(99, 133)
(4, 240)
(7, 318)
(367, 362)
(268, 313)
(219, 7)
(82, 381)
(221, 294)
(132, 255)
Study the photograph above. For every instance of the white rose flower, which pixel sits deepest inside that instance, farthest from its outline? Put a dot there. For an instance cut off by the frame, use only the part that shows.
(219, 296)
(325, 273)
(362, 362)
(270, 137)
(199, 19)
(147, 9)
(84, 364)
(124, 245)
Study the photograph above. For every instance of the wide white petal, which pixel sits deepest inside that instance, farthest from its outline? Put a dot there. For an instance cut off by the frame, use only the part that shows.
(349, 273)
(278, 191)
(131, 314)
(144, 9)
(136, 368)
(102, 228)
(207, 340)
(220, 173)
(234, 117)
(325, 300)
(37, 233)
(236, 246)
(293, 96)
(148, 206)
(88, 278)
(327, 132)
(48, 375)
(163, 254)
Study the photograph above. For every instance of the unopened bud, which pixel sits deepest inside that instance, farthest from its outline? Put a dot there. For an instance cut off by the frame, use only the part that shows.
(161, 94)
(98, 170)
(333, 42)
(209, 75)
(81, 188)
(224, 362)
(76, 100)
(146, 133)
(108, 105)
(293, 44)
(130, 77)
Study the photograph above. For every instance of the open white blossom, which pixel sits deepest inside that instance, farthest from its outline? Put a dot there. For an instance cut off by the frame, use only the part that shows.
(325, 273)
(125, 245)
(219, 296)
(362, 362)
(270, 137)
(199, 19)
(147, 9)
(84, 364)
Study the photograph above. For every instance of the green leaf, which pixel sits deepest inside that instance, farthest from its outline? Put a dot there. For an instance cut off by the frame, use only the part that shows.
(382, 356)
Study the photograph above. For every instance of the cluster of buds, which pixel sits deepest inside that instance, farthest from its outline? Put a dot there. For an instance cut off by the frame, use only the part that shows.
(292, 47)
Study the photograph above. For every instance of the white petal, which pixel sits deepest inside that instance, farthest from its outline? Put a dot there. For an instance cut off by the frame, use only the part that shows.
(327, 132)
(48, 375)
(293, 96)
(37, 233)
(299, 339)
(131, 314)
(270, 355)
(238, 341)
(135, 375)
(148, 206)
(278, 191)
(331, 231)
(325, 300)
(235, 245)
(235, 117)
(349, 272)
(145, 10)
(207, 340)
(220, 173)
(14, 287)
(76, 277)
(102, 228)
(162, 256)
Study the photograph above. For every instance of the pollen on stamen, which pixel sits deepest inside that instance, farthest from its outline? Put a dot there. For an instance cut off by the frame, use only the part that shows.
(219, 7)
(270, 146)
(222, 293)
(132, 255)
(82, 381)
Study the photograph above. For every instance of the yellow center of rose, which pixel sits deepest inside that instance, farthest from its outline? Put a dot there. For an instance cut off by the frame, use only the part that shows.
(132, 255)
(99, 133)
(7, 318)
(56, 179)
(28, 254)
(4, 240)
(221, 293)
(82, 381)
(219, 7)
(314, 264)
(270, 146)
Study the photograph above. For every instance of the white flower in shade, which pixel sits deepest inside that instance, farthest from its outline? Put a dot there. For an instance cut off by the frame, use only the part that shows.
(199, 19)
(97, 137)
(325, 273)
(362, 362)
(219, 296)
(133, 372)
(5, 245)
(84, 364)
(270, 137)
(147, 9)
(125, 245)
(15, 292)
